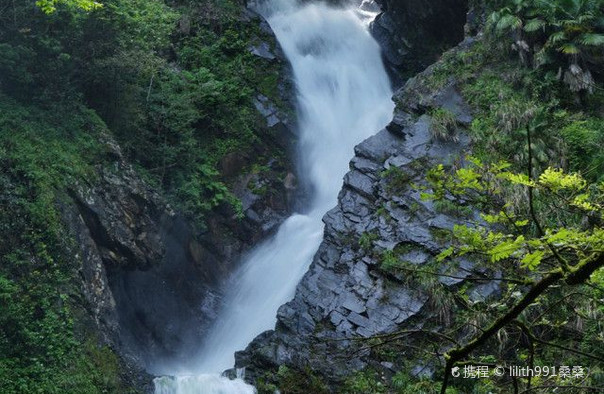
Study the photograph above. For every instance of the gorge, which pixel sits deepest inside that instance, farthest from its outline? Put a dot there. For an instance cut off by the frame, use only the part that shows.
(300, 196)
(343, 97)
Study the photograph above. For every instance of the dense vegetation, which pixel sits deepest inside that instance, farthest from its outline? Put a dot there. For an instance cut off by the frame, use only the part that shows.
(44, 346)
(535, 82)
(173, 82)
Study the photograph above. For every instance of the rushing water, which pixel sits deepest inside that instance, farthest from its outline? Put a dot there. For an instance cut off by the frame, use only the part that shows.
(343, 97)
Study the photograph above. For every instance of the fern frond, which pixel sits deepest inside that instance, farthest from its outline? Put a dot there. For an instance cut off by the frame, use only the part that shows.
(557, 37)
(592, 39)
(508, 22)
(534, 25)
(569, 49)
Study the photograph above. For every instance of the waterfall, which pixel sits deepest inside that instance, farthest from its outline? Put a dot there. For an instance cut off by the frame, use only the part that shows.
(343, 95)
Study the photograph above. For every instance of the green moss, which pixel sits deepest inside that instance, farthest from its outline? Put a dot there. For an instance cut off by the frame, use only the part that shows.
(397, 179)
(40, 155)
(390, 261)
(367, 239)
(382, 212)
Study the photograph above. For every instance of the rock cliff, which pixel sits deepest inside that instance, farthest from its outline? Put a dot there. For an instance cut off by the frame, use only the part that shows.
(350, 294)
(413, 33)
(151, 277)
(152, 280)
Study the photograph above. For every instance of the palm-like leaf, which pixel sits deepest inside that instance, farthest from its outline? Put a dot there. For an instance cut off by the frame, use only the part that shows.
(574, 28)
(534, 25)
(557, 37)
(569, 49)
(507, 22)
(592, 39)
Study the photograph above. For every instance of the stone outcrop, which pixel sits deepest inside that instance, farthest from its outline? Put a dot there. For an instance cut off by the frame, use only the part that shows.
(150, 279)
(144, 267)
(348, 293)
(413, 33)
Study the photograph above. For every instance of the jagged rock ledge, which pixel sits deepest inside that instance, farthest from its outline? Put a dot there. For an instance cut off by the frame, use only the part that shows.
(347, 294)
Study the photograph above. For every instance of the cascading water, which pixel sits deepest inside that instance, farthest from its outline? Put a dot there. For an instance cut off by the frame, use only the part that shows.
(343, 97)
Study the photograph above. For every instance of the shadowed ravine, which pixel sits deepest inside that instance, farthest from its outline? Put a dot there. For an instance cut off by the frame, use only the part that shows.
(343, 97)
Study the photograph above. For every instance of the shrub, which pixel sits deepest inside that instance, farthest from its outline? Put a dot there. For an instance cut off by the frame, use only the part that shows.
(443, 126)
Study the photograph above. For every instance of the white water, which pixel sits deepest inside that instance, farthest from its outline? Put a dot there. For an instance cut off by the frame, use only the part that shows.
(343, 97)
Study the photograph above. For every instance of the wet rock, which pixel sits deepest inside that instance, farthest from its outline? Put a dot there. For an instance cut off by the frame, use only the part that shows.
(422, 371)
(361, 183)
(416, 256)
(413, 33)
(262, 50)
(486, 291)
(346, 293)
(144, 273)
(151, 281)
(267, 109)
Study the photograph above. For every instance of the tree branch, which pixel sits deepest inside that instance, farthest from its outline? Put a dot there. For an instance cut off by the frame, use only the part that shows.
(578, 274)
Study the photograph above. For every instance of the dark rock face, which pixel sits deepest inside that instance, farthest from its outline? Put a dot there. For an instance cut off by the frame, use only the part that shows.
(413, 33)
(150, 278)
(151, 281)
(347, 293)
(130, 243)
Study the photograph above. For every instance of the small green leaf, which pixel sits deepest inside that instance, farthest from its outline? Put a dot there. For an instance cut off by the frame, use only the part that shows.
(532, 260)
(445, 254)
(518, 179)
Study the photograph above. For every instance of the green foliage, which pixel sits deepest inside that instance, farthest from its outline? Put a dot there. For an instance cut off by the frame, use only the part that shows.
(390, 261)
(566, 33)
(397, 179)
(39, 350)
(529, 250)
(554, 188)
(364, 382)
(505, 112)
(50, 6)
(182, 118)
(508, 102)
(402, 383)
(443, 125)
(367, 239)
(507, 99)
(585, 139)
(290, 381)
(177, 100)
